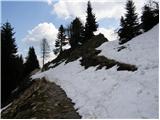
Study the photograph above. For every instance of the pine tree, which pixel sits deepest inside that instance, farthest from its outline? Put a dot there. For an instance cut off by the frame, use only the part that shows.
(68, 31)
(45, 49)
(156, 12)
(20, 69)
(122, 31)
(60, 41)
(77, 33)
(31, 62)
(150, 15)
(129, 24)
(91, 24)
(8, 62)
(147, 18)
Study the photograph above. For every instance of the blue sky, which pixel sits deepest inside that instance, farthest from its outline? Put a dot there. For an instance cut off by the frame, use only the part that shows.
(33, 20)
(25, 15)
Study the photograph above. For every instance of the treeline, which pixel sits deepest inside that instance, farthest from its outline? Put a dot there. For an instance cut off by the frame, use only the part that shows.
(76, 34)
(13, 69)
(130, 23)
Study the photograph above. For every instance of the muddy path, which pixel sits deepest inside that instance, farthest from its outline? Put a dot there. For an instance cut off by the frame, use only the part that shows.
(42, 100)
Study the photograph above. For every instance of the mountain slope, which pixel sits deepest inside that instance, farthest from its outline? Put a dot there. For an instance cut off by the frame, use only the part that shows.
(108, 93)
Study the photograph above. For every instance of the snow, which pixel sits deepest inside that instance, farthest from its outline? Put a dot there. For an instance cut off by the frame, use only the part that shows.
(141, 50)
(5, 107)
(111, 93)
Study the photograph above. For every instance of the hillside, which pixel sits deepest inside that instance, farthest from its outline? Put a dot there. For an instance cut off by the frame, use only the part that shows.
(104, 93)
(104, 79)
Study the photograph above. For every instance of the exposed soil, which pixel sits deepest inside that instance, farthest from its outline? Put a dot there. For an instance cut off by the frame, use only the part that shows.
(42, 100)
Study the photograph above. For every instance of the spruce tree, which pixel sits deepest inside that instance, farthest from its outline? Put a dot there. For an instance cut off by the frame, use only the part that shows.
(19, 69)
(31, 62)
(60, 41)
(68, 31)
(150, 15)
(91, 24)
(122, 31)
(129, 25)
(77, 33)
(9, 66)
(147, 18)
(156, 12)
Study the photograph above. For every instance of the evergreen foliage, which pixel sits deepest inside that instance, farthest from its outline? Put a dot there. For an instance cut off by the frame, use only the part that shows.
(129, 24)
(20, 69)
(91, 24)
(77, 33)
(68, 31)
(12, 64)
(31, 62)
(60, 41)
(150, 15)
(123, 30)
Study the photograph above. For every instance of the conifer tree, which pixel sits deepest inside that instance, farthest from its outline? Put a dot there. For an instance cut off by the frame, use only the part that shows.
(129, 24)
(60, 41)
(68, 31)
(20, 69)
(147, 18)
(91, 24)
(150, 15)
(77, 33)
(122, 31)
(9, 62)
(156, 12)
(31, 62)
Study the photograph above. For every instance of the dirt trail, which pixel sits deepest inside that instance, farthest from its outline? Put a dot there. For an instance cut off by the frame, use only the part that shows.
(42, 100)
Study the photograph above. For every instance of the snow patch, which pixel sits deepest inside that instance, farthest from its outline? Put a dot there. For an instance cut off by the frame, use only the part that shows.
(111, 93)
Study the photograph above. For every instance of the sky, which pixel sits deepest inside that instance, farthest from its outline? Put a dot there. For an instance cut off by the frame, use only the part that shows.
(35, 20)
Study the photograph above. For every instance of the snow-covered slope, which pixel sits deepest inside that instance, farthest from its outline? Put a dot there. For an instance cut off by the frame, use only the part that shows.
(111, 93)
(141, 51)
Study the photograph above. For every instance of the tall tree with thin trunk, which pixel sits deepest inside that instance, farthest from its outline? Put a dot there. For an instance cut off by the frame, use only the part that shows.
(129, 23)
(31, 62)
(77, 33)
(45, 49)
(60, 41)
(91, 24)
(150, 15)
(11, 73)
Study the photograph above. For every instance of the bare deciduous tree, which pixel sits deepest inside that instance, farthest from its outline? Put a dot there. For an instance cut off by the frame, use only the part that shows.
(45, 49)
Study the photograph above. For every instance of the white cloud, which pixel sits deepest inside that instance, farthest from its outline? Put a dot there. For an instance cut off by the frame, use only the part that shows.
(35, 36)
(110, 34)
(42, 30)
(49, 2)
(102, 8)
(66, 9)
